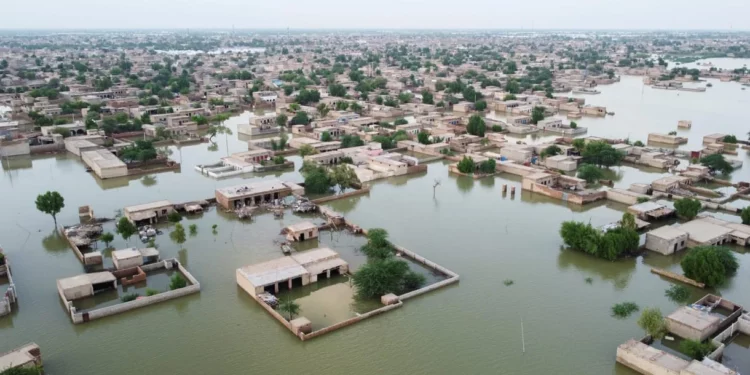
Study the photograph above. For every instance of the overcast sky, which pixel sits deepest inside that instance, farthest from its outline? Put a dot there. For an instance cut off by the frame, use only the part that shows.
(392, 14)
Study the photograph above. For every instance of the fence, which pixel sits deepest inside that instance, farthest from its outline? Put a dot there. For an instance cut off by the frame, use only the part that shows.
(363, 190)
(10, 297)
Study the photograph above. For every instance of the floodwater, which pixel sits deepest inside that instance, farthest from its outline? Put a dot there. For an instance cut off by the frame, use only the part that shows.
(463, 224)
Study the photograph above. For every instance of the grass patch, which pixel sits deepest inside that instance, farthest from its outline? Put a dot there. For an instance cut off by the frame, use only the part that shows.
(678, 293)
(129, 297)
(151, 292)
(623, 310)
(508, 282)
(696, 349)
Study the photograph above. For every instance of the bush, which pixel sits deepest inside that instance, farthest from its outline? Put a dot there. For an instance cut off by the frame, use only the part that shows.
(745, 215)
(590, 173)
(678, 293)
(497, 128)
(400, 121)
(687, 207)
(652, 321)
(638, 144)
(476, 126)
(151, 292)
(642, 200)
(129, 297)
(193, 229)
(174, 217)
(487, 166)
(711, 265)
(624, 310)
(466, 165)
(177, 282)
(696, 349)
(729, 139)
(610, 245)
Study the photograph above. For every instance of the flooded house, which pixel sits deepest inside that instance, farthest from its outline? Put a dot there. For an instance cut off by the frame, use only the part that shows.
(255, 193)
(26, 357)
(131, 257)
(666, 240)
(85, 285)
(301, 231)
(703, 318)
(149, 213)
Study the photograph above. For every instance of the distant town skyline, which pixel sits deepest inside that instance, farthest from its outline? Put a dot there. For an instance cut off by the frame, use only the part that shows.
(386, 14)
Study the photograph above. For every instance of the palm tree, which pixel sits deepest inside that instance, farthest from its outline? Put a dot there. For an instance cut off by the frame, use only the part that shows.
(290, 307)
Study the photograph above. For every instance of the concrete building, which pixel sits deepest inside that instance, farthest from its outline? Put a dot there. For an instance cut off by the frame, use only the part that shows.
(669, 183)
(666, 139)
(260, 125)
(561, 162)
(15, 147)
(27, 356)
(149, 213)
(299, 269)
(131, 257)
(650, 211)
(301, 231)
(648, 360)
(517, 153)
(86, 285)
(256, 193)
(698, 321)
(104, 163)
(704, 232)
(666, 240)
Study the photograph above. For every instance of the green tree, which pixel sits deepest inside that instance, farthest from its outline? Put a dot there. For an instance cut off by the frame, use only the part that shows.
(579, 144)
(487, 166)
(687, 207)
(107, 238)
(177, 282)
(317, 181)
(343, 177)
(305, 150)
(356, 108)
(281, 120)
(377, 246)
(638, 144)
(326, 137)
(427, 97)
(466, 165)
(480, 105)
(301, 118)
(380, 276)
(349, 140)
(178, 234)
(125, 228)
(193, 229)
(174, 217)
(695, 349)
(600, 153)
(551, 150)
(745, 215)
(509, 97)
(288, 306)
(322, 110)
(476, 126)
(337, 89)
(717, 163)
(628, 221)
(652, 321)
(711, 265)
(590, 173)
(537, 114)
(400, 121)
(573, 125)
(423, 137)
(50, 203)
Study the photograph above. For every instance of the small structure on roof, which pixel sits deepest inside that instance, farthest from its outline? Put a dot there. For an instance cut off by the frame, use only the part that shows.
(254, 194)
(301, 231)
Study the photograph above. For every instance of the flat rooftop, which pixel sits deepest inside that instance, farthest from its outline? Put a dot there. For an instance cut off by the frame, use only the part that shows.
(257, 187)
(702, 231)
(667, 232)
(301, 227)
(273, 271)
(655, 356)
(148, 206)
(693, 318)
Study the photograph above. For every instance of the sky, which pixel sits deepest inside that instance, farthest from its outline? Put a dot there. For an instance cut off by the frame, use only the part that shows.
(378, 14)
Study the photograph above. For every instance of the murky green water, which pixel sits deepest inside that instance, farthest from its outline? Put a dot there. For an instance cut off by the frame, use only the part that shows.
(469, 226)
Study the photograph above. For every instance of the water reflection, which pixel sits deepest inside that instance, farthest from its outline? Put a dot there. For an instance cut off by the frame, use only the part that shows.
(19, 162)
(148, 180)
(487, 181)
(464, 183)
(618, 272)
(54, 242)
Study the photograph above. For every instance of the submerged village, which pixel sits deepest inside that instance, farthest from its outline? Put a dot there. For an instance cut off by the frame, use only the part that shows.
(416, 202)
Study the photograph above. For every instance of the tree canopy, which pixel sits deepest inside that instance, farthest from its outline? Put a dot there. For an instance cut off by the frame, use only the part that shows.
(717, 163)
(652, 321)
(600, 153)
(476, 126)
(50, 203)
(711, 265)
(609, 245)
(466, 165)
(687, 207)
(590, 173)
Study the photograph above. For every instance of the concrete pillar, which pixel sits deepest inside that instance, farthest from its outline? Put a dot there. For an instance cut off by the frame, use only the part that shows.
(290, 284)
(505, 188)
(276, 288)
(328, 274)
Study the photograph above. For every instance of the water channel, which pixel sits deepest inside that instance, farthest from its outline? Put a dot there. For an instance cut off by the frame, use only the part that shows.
(468, 226)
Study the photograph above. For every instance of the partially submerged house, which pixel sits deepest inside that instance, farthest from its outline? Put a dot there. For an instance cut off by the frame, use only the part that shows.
(299, 269)
(666, 240)
(301, 231)
(149, 213)
(256, 193)
(700, 320)
(26, 357)
(85, 285)
(131, 257)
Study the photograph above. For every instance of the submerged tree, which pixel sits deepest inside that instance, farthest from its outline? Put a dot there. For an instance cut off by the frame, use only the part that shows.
(178, 234)
(50, 203)
(177, 282)
(290, 307)
(711, 265)
(652, 321)
(125, 228)
(107, 238)
(687, 207)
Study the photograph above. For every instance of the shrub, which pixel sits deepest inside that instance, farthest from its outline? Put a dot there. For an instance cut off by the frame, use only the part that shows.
(590, 173)
(687, 207)
(678, 293)
(193, 229)
(466, 165)
(610, 245)
(497, 128)
(696, 349)
(745, 215)
(638, 144)
(624, 310)
(487, 166)
(508, 282)
(151, 292)
(129, 297)
(642, 200)
(711, 265)
(729, 139)
(177, 282)
(652, 321)
(174, 217)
